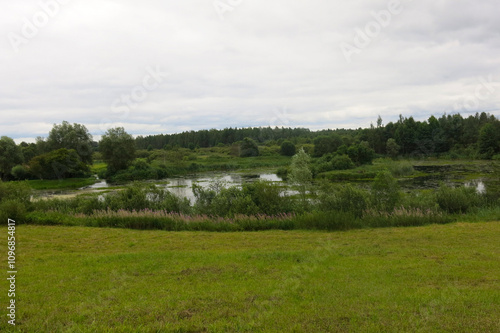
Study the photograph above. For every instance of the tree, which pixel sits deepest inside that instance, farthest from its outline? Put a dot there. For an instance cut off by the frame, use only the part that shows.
(288, 148)
(385, 191)
(326, 144)
(117, 148)
(300, 173)
(58, 164)
(75, 137)
(249, 148)
(10, 155)
(392, 148)
(361, 153)
(489, 140)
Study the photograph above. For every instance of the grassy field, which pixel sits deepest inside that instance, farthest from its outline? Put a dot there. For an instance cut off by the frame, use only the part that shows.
(428, 279)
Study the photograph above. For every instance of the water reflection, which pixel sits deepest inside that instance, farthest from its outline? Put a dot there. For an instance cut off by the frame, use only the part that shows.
(182, 186)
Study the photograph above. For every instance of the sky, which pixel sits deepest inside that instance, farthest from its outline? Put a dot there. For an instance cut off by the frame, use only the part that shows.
(161, 66)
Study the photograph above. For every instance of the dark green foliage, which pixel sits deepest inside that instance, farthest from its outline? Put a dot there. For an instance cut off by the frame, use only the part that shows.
(249, 148)
(392, 148)
(342, 162)
(287, 148)
(361, 153)
(117, 148)
(19, 172)
(268, 197)
(489, 140)
(10, 155)
(14, 200)
(326, 144)
(344, 198)
(59, 164)
(75, 137)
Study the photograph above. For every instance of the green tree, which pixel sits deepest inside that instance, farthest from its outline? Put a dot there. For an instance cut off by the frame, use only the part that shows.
(10, 155)
(249, 148)
(288, 148)
(326, 144)
(117, 148)
(392, 148)
(385, 191)
(58, 164)
(489, 140)
(75, 137)
(300, 173)
(361, 153)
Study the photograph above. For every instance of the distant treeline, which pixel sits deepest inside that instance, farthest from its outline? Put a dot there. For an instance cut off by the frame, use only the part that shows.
(479, 133)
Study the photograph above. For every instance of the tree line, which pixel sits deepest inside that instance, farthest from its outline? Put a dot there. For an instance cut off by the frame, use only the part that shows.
(68, 149)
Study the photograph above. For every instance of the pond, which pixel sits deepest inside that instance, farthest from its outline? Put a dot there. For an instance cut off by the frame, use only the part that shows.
(481, 175)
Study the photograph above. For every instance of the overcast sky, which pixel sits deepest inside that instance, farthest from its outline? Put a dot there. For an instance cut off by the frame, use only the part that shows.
(160, 66)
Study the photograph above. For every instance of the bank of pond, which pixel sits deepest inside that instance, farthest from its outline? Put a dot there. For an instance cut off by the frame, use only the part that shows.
(384, 194)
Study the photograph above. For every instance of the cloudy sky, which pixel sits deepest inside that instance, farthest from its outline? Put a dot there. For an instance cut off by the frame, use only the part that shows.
(161, 66)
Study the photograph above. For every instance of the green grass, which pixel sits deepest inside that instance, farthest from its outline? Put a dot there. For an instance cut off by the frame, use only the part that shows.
(438, 278)
(62, 184)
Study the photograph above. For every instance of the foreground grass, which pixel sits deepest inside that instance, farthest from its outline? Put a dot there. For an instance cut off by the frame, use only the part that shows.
(425, 279)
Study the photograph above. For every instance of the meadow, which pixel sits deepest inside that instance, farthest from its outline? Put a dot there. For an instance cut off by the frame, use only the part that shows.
(435, 278)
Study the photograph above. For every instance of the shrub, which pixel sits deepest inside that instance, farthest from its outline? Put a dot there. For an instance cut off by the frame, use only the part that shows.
(457, 200)
(249, 148)
(268, 197)
(345, 198)
(19, 172)
(287, 148)
(385, 191)
(342, 162)
(12, 209)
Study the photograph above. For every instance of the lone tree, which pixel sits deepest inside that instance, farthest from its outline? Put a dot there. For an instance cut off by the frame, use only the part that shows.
(69, 136)
(287, 148)
(249, 148)
(117, 148)
(300, 173)
(10, 155)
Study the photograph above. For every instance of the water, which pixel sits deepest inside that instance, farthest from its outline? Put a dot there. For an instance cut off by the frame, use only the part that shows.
(480, 176)
(182, 186)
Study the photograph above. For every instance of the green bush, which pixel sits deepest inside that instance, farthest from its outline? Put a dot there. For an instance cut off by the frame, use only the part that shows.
(19, 172)
(12, 209)
(345, 198)
(385, 191)
(287, 148)
(15, 191)
(342, 162)
(268, 197)
(457, 200)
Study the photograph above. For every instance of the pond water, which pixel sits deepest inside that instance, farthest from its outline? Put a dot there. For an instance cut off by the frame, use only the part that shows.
(182, 186)
(481, 176)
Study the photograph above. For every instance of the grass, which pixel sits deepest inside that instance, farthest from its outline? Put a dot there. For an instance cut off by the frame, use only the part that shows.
(62, 184)
(426, 279)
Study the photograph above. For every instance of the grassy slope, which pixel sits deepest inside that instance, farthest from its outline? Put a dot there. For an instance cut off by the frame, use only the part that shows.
(426, 279)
